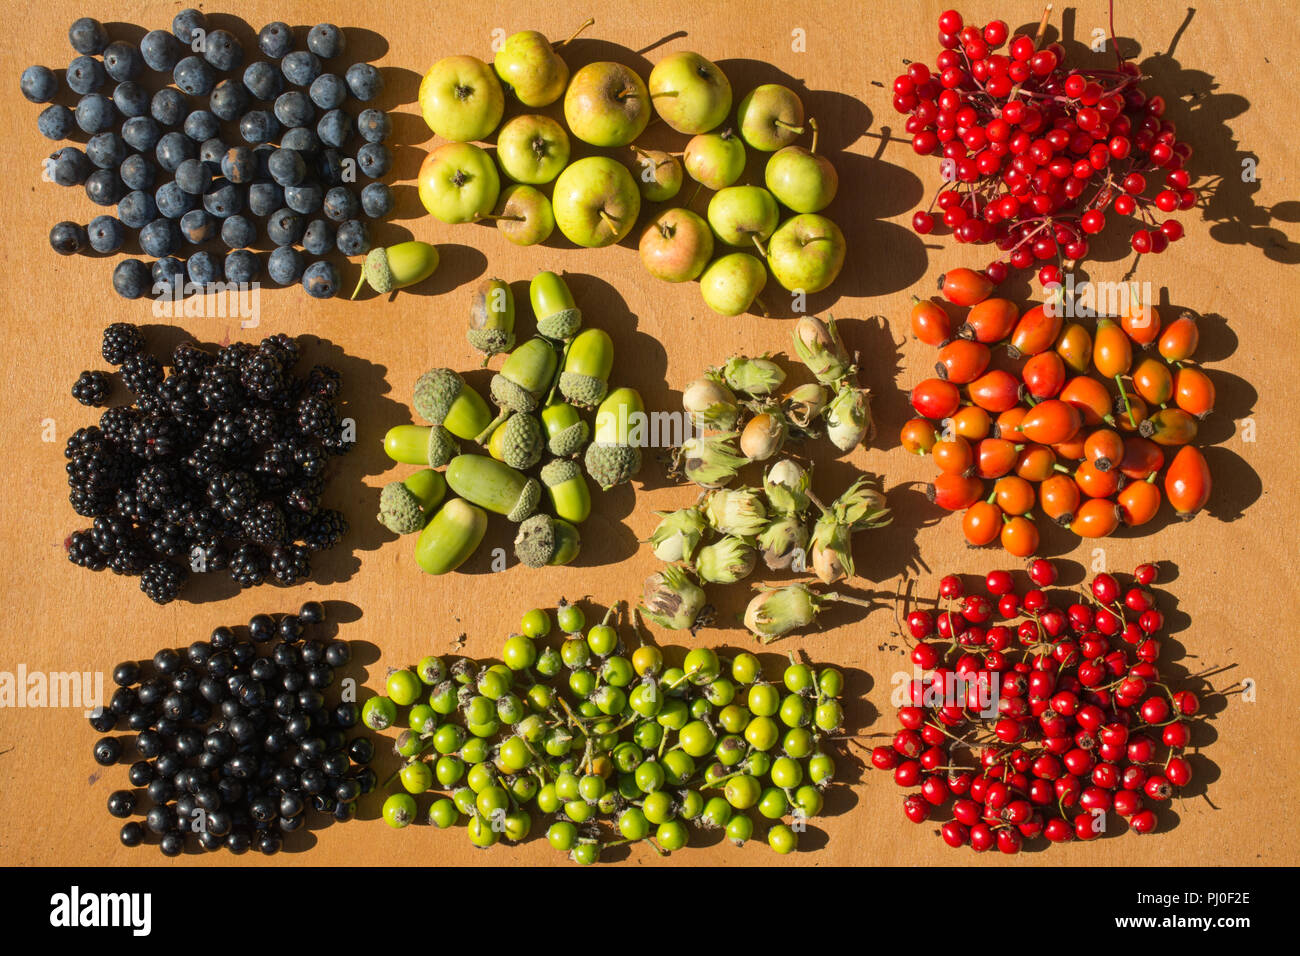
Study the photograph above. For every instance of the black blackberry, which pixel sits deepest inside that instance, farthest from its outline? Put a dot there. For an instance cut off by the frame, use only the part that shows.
(275, 470)
(129, 561)
(310, 459)
(142, 373)
(219, 389)
(265, 425)
(83, 552)
(204, 462)
(208, 553)
(290, 564)
(91, 502)
(263, 524)
(229, 434)
(155, 438)
(322, 381)
(112, 534)
(116, 423)
(167, 537)
(82, 438)
(232, 356)
(249, 565)
(127, 504)
(316, 417)
(305, 496)
(341, 440)
(284, 348)
(181, 394)
(120, 342)
(326, 529)
(157, 487)
(96, 466)
(189, 359)
(263, 375)
(296, 522)
(232, 493)
(162, 581)
(92, 388)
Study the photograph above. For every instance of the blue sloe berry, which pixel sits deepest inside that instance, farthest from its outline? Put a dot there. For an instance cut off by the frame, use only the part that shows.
(364, 81)
(39, 84)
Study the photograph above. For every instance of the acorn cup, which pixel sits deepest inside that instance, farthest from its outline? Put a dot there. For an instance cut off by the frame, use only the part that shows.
(678, 534)
(544, 540)
(558, 318)
(848, 417)
(711, 404)
(587, 363)
(397, 267)
(756, 377)
(710, 461)
(775, 612)
(450, 537)
(443, 398)
(430, 445)
(818, 346)
(517, 441)
(492, 318)
(494, 485)
(614, 457)
(566, 431)
(567, 490)
(524, 378)
(673, 601)
(404, 506)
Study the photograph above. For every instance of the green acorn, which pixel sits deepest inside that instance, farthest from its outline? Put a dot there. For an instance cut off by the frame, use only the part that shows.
(557, 316)
(587, 364)
(443, 398)
(494, 485)
(450, 537)
(518, 441)
(711, 461)
(613, 457)
(492, 318)
(818, 346)
(430, 445)
(672, 600)
(677, 536)
(757, 377)
(726, 561)
(544, 540)
(566, 431)
(398, 266)
(404, 506)
(567, 489)
(524, 378)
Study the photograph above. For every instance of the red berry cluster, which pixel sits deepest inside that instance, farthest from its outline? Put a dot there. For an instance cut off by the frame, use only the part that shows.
(1036, 153)
(1059, 718)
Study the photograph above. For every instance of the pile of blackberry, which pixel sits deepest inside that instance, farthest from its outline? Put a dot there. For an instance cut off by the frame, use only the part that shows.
(218, 464)
(236, 739)
(203, 169)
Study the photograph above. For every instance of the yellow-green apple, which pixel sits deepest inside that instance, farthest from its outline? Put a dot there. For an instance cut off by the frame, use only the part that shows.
(730, 284)
(658, 174)
(770, 116)
(596, 201)
(676, 245)
(606, 104)
(689, 93)
(461, 99)
(459, 183)
(806, 252)
(801, 178)
(524, 215)
(715, 160)
(743, 215)
(532, 149)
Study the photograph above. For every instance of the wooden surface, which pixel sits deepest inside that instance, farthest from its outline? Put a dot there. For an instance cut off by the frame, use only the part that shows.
(1224, 69)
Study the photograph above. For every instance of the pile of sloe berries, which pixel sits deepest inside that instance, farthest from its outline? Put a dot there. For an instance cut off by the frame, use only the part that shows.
(217, 162)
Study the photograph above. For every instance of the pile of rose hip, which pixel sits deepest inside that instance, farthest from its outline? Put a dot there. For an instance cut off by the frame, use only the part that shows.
(1035, 721)
(1036, 153)
(1051, 435)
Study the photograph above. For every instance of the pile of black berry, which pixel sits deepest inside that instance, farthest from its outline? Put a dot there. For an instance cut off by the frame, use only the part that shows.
(236, 739)
(195, 168)
(218, 463)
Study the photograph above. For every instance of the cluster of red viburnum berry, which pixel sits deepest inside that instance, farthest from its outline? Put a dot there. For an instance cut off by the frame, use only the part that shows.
(1036, 154)
(1035, 722)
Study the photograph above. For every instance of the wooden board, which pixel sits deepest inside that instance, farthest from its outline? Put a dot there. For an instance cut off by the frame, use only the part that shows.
(1223, 69)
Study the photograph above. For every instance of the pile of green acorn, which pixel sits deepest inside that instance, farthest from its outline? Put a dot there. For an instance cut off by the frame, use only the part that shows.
(606, 746)
(720, 538)
(527, 466)
(598, 200)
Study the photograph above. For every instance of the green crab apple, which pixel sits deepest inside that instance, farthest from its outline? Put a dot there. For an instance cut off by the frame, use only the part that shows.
(596, 202)
(532, 149)
(743, 215)
(770, 116)
(459, 183)
(658, 174)
(676, 245)
(606, 105)
(529, 65)
(690, 93)
(524, 215)
(802, 179)
(731, 284)
(715, 160)
(806, 252)
(461, 99)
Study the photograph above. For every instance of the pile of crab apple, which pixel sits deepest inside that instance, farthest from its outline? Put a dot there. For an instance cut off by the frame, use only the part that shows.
(1030, 720)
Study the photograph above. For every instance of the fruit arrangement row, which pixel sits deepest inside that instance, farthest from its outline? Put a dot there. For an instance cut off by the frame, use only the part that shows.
(597, 200)
(611, 745)
(201, 170)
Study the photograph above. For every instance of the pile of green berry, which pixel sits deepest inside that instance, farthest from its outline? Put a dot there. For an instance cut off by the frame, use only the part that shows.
(607, 747)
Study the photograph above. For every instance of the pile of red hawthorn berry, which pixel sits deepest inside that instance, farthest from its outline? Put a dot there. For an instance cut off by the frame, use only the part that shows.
(1036, 153)
(1032, 721)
